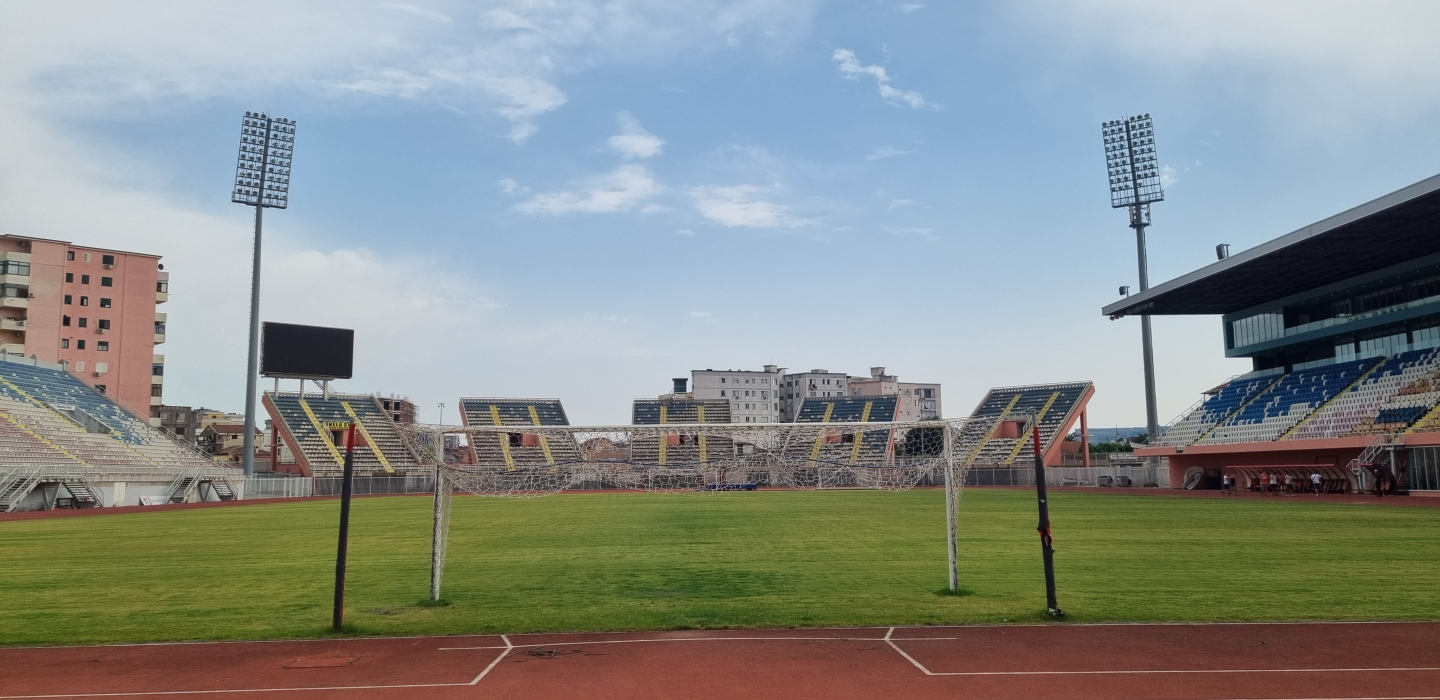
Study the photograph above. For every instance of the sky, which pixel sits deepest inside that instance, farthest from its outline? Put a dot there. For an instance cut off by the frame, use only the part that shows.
(580, 199)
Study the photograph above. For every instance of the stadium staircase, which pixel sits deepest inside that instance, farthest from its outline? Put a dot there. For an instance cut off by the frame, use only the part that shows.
(1342, 401)
(1288, 401)
(16, 484)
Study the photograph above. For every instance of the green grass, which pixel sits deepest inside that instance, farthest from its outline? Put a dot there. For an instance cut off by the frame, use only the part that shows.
(767, 559)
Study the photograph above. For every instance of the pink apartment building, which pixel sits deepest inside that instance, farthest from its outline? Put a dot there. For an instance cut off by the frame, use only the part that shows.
(90, 308)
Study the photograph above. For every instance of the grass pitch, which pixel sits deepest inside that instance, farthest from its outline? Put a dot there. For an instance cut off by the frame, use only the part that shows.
(591, 562)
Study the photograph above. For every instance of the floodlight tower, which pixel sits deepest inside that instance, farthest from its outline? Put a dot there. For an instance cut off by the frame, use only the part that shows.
(1135, 184)
(262, 180)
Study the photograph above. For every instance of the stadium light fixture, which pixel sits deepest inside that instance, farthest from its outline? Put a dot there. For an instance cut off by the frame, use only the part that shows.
(1133, 168)
(262, 180)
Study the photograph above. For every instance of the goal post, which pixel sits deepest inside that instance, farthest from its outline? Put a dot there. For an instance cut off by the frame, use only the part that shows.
(523, 461)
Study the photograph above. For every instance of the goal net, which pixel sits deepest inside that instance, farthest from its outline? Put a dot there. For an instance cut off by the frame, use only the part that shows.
(538, 460)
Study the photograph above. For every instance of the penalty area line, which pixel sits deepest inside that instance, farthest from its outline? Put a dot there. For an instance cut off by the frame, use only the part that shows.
(1183, 671)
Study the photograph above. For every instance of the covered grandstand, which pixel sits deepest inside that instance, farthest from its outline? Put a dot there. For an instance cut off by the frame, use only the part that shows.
(313, 427)
(63, 442)
(1341, 322)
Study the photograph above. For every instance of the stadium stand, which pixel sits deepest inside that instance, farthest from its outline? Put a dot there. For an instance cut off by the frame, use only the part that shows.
(518, 449)
(680, 448)
(74, 420)
(56, 430)
(309, 425)
(1056, 407)
(867, 448)
(1218, 405)
(1288, 401)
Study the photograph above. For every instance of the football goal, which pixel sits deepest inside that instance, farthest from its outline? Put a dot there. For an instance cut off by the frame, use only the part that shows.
(520, 461)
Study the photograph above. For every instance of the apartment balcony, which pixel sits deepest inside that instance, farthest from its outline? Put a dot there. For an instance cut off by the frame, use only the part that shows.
(12, 324)
(159, 338)
(12, 348)
(17, 280)
(162, 297)
(14, 302)
(156, 400)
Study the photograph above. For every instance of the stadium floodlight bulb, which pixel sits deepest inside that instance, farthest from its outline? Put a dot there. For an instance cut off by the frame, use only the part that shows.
(262, 171)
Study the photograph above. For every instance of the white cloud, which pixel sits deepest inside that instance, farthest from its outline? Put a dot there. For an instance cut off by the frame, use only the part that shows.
(908, 7)
(851, 68)
(701, 314)
(634, 141)
(897, 203)
(622, 189)
(744, 205)
(1168, 176)
(886, 152)
(653, 209)
(509, 186)
(431, 15)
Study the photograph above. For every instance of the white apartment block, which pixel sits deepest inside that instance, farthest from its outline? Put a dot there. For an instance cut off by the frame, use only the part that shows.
(817, 383)
(918, 401)
(754, 396)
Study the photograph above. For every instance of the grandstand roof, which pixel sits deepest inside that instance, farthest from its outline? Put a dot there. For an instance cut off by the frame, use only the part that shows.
(1396, 228)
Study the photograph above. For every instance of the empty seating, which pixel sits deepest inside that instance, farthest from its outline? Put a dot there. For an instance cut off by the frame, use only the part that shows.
(1053, 405)
(518, 448)
(1216, 408)
(1288, 401)
(1371, 397)
(871, 447)
(680, 448)
(379, 450)
(79, 425)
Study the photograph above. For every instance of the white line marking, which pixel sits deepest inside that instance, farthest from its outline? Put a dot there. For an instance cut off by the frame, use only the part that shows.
(703, 639)
(236, 690)
(1181, 671)
(503, 654)
(908, 657)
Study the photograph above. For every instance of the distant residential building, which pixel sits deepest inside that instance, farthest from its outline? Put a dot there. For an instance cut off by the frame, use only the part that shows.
(179, 421)
(401, 410)
(918, 401)
(218, 438)
(754, 396)
(205, 417)
(92, 309)
(817, 383)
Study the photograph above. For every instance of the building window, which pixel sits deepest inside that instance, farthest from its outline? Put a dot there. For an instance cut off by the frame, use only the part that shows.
(107, 259)
(80, 345)
(69, 255)
(157, 370)
(107, 281)
(84, 301)
(104, 302)
(104, 323)
(722, 393)
(103, 346)
(98, 387)
(67, 298)
(84, 279)
(70, 277)
(64, 343)
(64, 320)
(83, 321)
(162, 287)
(180, 431)
(155, 390)
(84, 257)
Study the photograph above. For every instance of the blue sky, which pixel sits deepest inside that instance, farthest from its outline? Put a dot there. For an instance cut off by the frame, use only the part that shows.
(584, 199)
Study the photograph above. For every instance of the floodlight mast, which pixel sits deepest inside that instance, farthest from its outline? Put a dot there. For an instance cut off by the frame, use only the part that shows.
(1134, 184)
(262, 180)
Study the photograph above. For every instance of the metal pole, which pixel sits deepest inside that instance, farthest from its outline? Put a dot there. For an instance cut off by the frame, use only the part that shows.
(337, 618)
(441, 531)
(1047, 549)
(1138, 221)
(952, 499)
(252, 365)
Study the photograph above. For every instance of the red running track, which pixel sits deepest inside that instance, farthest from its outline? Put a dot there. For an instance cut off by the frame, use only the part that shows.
(1378, 661)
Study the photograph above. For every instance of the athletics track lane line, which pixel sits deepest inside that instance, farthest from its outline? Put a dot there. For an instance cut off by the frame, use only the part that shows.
(507, 649)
